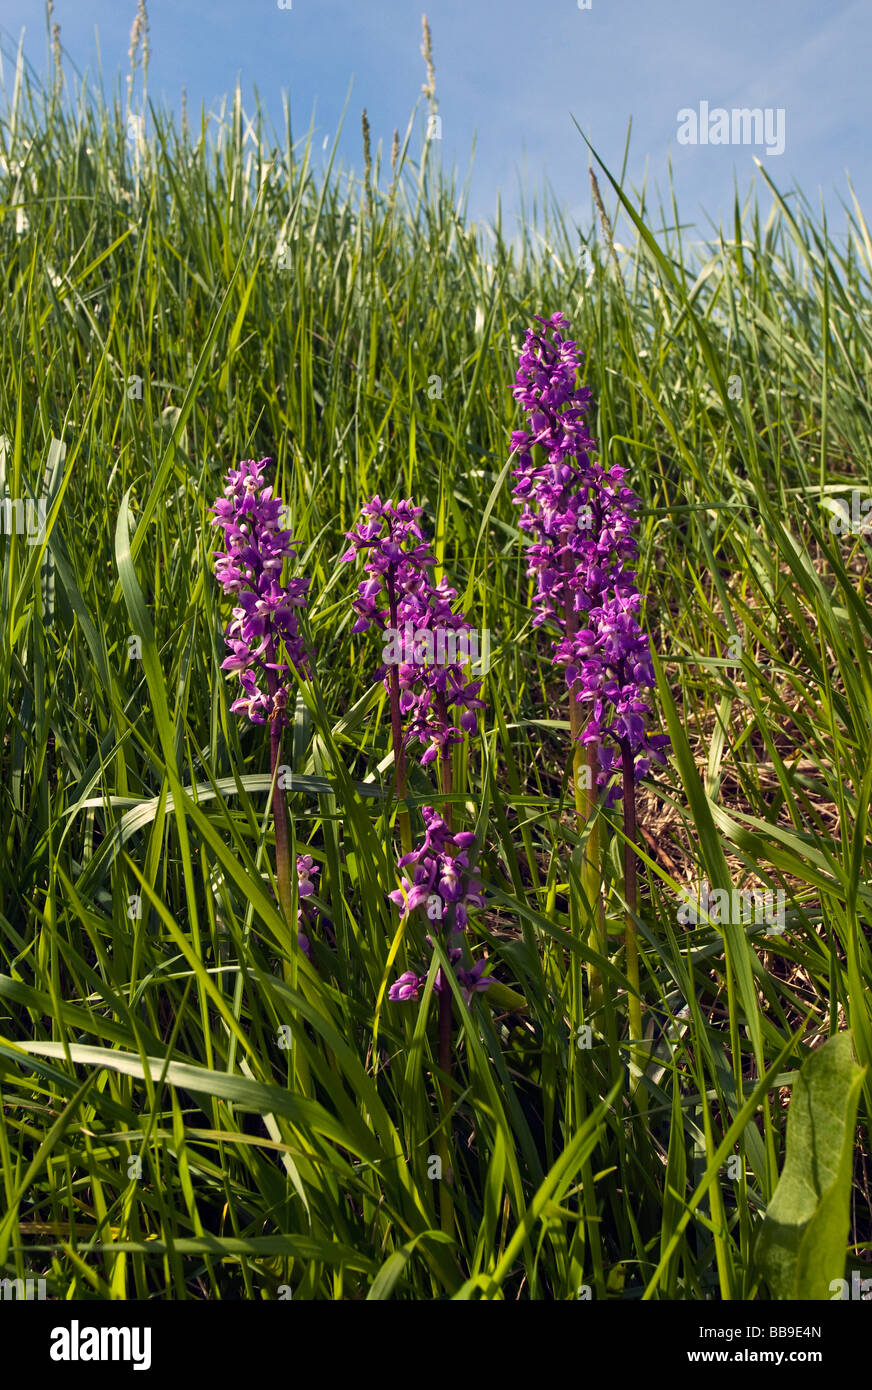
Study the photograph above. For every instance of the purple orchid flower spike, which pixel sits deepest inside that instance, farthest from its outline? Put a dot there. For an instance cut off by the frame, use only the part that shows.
(266, 650)
(267, 653)
(582, 519)
(444, 883)
(424, 634)
(583, 523)
(425, 655)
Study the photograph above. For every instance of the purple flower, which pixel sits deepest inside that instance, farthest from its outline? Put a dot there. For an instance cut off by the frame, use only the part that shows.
(263, 635)
(306, 870)
(407, 988)
(442, 877)
(473, 981)
(447, 887)
(423, 632)
(387, 556)
(583, 523)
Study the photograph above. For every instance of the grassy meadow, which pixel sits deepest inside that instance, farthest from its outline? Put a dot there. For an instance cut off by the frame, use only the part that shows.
(189, 1108)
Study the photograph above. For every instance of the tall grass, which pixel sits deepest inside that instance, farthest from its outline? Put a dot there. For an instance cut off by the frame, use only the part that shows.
(178, 302)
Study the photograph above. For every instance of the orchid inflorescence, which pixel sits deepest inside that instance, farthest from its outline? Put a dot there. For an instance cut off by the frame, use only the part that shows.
(398, 565)
(263, 635)
(264, 622)
(443, 883)
(583, 522)
(398, 562)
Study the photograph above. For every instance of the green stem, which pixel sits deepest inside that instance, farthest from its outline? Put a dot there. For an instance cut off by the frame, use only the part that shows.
(397, 726)
(585, 767)
(585, 788)
(446, 1016)
(280, 823)
(446, 1023)
(639, 1050)
(299, 1070)
(631, 945)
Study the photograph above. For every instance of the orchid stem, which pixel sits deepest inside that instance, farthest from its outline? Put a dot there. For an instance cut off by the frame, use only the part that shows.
(584, 775)
(631, 945)
(446, 1026)
(280, 823)
(397, 730)
(446, 1012)
(300, 1071)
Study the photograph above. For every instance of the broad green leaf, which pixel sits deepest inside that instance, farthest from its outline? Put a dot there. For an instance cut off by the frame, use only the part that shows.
(802, 1243)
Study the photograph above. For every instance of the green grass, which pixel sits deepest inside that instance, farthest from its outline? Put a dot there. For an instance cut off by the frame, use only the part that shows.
(732, 378)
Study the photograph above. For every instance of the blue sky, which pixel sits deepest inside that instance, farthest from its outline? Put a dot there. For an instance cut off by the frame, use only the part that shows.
(512, 75)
